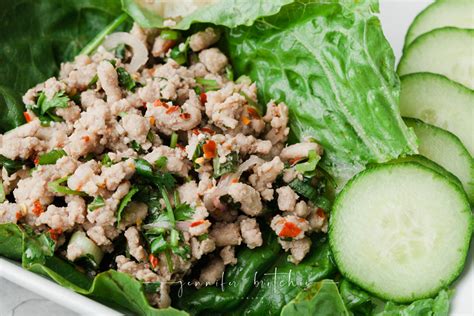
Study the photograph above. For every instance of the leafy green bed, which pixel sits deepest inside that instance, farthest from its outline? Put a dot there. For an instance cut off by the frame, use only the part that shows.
(328, 60)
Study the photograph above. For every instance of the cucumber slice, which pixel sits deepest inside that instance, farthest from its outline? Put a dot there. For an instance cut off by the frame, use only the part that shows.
(401, 231)
(440, 14)
(89, 249)
(430, 165)
(441, 102)
(446, 51)
(446, 150)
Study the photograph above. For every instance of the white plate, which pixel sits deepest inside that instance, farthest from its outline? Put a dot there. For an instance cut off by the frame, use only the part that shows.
(396, 16)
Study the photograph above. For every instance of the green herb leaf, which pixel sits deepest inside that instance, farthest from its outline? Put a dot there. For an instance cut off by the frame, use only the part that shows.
(322, 298)
(59, 100)
(229, 166)
(51, 157)
(125, 80)
(93, 81)
(98, 202)
(126, 199)
(158, 244)
(438, 306)
(136, 147)
(11, 166)
(106, 161)
(120, 51)
(183, 212)
(161, 162)
(57, 187)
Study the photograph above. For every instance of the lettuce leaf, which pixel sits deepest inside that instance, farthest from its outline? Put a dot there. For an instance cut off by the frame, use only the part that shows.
(331, 64)
(321, 299)
(229, 13)
(112, 288)
(438, 306)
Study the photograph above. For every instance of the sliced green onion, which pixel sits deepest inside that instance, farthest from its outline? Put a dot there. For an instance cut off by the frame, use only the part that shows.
(178, 56)
(169, 208)
(127, 199)
(2, 192)
(150, 136)
(51, 157)
(93, 81)
(229, 73)
(169, 35)
(208, 84)
(309, 167)
(169, 262)
(174, 238)
(161, 162)
(174, 140)
(57, 187)
(159, 244)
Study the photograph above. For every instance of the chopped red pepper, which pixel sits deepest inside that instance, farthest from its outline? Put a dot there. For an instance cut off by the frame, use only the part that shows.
(86, 138)
(18, 216)
(320, 212)
(203, 97)
(196, 223)
(168, 44)
(208, 130)
(37, 208)
(36, 161)
(253, 112)
(195, 131)
(27, 116)
(290, 230)
(180, 146)
(294, 161)
(172, 109)
(185, 116)
(209, 149)
(55, 233)
(160, 103)
(153, 260)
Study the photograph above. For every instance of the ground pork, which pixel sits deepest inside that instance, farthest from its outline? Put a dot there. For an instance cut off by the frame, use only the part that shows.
(213, 272)
(264, 175)
(286, 199)
(277, 117)
(224, 107)
(214, 60)
(200, 248)
(11, 212)
(202, 40)
(136, 126)
(248, 198)
(176, 159)
(300, 150)
(298, 248)
(279, 223)
(141, 271)
(251, 232)
(226, 234)
(134, 245)
(108, 79)
(64, 218)
(228, 255)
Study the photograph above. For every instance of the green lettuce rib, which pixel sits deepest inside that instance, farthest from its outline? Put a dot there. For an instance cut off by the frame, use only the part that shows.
(331, 64)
